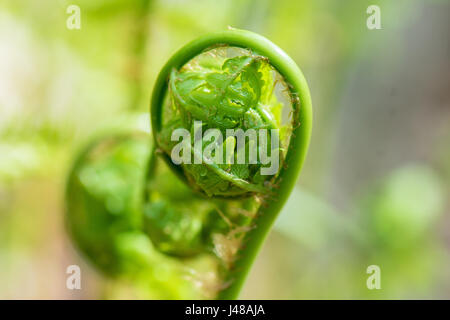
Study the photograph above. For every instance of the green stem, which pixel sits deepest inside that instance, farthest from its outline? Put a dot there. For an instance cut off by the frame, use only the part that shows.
(138, 50)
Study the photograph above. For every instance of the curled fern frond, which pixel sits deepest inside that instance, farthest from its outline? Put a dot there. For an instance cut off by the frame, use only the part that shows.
(234, 80)
(103, 197)
(233, 93)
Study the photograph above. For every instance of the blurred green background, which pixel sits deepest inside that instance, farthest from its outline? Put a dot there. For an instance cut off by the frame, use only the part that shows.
(376, 184)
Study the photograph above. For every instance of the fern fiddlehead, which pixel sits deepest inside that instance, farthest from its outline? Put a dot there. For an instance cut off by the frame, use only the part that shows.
(204, 82)
(108, 219)
(102, 196)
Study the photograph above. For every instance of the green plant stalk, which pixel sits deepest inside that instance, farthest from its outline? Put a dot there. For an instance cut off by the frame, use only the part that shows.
(139, 40)
(298, 144)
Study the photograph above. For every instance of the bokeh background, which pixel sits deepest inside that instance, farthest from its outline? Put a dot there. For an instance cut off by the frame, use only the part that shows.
(376, 183)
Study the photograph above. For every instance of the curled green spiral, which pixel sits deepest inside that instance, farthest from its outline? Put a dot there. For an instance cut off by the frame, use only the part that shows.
(222, 92)
(103, 197)
(131, 226)
(234, 92)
